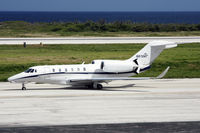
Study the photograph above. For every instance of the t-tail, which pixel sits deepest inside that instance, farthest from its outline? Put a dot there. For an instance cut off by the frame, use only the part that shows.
(145, 57)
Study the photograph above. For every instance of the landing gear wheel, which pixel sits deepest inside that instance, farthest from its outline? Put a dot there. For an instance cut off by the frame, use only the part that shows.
(23, 88)
(99, 86)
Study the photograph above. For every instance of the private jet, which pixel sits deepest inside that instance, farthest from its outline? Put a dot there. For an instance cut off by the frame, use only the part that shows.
(98, 72)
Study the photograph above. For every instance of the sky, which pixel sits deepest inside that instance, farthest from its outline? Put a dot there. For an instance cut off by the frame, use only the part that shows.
(99, 5)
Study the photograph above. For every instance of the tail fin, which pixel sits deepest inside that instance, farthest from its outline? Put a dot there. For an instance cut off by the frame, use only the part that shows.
(151, 51)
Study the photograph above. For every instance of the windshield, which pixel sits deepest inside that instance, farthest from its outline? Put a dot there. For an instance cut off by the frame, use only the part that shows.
(30, 70)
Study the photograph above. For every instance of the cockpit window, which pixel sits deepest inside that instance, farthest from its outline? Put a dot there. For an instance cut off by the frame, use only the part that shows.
(27, 71)
(30, 71)
(93, 62)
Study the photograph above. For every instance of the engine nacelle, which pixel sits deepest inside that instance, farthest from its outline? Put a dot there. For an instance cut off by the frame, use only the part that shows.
(115, 65)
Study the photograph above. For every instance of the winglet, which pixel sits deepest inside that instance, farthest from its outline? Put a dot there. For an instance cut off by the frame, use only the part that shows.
(163, 73)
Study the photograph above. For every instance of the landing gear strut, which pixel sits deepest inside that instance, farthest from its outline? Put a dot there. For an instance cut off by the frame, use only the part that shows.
(23, 86)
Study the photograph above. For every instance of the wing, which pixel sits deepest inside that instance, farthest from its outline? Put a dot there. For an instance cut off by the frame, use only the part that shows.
(120, 78)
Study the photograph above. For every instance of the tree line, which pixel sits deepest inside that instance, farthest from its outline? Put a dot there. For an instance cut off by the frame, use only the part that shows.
(99, 26)
(117, 26)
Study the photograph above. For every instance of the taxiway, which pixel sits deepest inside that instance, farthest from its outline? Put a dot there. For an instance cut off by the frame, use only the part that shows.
(165, 100)
(96, 40)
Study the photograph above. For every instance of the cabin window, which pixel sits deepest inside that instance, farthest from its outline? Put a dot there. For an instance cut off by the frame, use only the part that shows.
(35, 70)
(65, 69)
(53, 70)
(93, 62)
(84, 69)
(72, 69)
(78, 69)
(59, 70)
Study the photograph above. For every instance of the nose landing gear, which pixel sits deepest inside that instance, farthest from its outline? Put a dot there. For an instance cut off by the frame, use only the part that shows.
(23, 86)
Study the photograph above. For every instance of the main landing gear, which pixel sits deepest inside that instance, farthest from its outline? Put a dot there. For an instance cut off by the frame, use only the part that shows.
(99, 86)
(95, 86)
(23, 86)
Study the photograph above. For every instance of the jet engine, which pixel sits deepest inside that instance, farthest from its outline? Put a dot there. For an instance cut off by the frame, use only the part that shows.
(116, 66)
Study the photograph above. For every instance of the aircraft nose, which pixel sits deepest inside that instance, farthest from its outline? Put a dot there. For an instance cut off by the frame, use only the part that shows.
(11, 79)
(15, 78)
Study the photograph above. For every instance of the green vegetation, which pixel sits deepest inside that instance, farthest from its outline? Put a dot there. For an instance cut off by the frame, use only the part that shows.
(184, 60)
(90, 28)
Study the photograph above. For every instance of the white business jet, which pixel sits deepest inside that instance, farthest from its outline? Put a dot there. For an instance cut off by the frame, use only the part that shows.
(99, 71)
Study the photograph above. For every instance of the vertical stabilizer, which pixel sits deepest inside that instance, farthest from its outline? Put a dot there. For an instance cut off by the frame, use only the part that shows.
(151, 51)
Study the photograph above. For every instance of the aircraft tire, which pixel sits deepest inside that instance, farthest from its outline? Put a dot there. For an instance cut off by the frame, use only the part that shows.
(23, 88)
(99, 86)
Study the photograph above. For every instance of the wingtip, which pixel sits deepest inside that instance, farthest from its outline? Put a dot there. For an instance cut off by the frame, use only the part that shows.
(163, 73)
